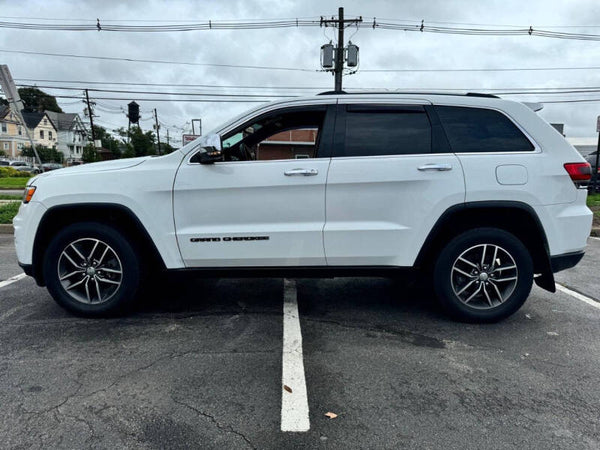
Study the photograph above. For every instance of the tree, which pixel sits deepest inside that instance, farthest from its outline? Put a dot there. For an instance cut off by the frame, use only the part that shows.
(47, 155)
(35, 100)
(166, 148)
(89, 154)
(108, 141)
(140, 143)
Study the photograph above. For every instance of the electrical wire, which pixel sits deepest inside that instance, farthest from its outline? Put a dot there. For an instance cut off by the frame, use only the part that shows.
(155, 61)
(262, 24)
(503, 69)
(117, 91)
(224, 86)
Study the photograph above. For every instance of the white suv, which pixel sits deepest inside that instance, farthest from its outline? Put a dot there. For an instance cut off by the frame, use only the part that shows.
(478, 192)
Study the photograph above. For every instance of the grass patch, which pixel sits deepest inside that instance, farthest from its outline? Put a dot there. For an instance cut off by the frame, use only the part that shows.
(13, 183)
(10, 197)
(593, 200)
(8, 211)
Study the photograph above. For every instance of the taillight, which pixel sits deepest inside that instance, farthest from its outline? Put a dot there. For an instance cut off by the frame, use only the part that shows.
(579, 172)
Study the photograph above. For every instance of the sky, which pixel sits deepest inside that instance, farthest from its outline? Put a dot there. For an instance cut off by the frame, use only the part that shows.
(299, 48)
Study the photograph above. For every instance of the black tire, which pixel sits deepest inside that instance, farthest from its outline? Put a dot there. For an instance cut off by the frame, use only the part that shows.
(498, 296)
(111, 299)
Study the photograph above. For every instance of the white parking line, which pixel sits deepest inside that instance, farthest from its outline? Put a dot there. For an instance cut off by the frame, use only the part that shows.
(578, 296)
(594, 237)
(294, 400)
(12, 280)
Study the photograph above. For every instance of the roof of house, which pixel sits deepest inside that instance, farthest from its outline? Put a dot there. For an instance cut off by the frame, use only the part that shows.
(62, 121)
(32, 119)
(4, 109)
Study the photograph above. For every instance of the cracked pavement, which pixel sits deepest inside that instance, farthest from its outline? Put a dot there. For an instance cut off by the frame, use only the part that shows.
(198, 365)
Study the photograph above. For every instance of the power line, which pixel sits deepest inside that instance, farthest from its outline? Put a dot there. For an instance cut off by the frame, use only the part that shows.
(110, 58)
(261, 24)
(155, 61)
(193, 100)
(502, 90)
(99, 25)
(503, 69)
(227, 86)
(116, 91)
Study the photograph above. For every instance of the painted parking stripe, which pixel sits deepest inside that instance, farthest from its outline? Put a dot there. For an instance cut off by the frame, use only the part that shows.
(12, 280)
(595, 238)
(578, 296)
(294, 400)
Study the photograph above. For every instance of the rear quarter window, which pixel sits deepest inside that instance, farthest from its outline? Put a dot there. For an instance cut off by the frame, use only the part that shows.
(471, 130)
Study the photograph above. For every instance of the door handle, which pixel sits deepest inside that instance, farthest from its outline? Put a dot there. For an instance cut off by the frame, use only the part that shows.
(438, 167)
(303, 172)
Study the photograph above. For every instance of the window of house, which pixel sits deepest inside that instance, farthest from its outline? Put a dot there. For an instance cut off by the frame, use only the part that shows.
(20, 146)
(50, 135)
(4, 128)
(6, 146)
(41, 134)
(20, 131)
(394, 131)
(481, 130)
(45, 122)
(275, 136)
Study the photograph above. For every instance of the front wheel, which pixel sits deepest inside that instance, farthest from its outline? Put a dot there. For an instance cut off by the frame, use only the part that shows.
(483, 275)
(92, 270)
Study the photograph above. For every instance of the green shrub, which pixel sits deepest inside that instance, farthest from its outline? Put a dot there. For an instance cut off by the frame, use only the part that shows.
(11, 172)
(8, 211)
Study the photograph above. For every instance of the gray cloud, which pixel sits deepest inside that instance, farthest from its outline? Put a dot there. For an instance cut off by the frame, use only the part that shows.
(300, 48)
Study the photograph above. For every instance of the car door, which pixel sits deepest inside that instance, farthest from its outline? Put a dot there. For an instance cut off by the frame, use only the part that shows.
(391, 177)
(264, 212)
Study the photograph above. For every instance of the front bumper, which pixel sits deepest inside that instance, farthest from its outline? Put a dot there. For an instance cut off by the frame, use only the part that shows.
(565, 261)
(25, 224)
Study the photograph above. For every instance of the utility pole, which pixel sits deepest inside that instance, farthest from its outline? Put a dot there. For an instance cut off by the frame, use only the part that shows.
(91, 114)
(16, 104)
(157, 130)
(340, 23)
(168, 142)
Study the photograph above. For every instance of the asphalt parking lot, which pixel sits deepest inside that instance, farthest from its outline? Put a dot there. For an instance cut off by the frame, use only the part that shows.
(199, 365)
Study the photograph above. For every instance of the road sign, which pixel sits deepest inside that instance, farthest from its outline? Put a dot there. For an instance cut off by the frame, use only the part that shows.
(187, 138)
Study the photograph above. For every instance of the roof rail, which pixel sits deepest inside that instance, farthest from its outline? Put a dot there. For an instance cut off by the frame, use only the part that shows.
(478, 94)
(332, 93)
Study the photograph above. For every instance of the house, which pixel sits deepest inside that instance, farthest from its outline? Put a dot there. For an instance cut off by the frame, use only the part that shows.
(291, 144)
(72, 135)
(12, 133)
(42, 129)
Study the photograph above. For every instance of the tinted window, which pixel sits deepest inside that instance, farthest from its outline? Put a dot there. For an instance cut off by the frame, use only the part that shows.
(481, 130)
(276, 136)
(387, 133)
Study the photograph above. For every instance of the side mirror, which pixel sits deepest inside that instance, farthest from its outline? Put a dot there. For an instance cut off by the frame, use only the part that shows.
(211, 146)
(210, 155)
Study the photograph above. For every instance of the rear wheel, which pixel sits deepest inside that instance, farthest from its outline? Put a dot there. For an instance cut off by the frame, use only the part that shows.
(483, 275)
(91, 269)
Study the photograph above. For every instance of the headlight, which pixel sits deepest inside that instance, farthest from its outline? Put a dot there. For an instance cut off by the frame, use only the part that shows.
(28, 194)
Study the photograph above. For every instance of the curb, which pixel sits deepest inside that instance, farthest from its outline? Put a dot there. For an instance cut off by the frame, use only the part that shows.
(6, 228)
(595, 232)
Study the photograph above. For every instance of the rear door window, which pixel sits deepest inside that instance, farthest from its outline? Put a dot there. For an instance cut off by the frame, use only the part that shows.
(374, 131)
(481, 130)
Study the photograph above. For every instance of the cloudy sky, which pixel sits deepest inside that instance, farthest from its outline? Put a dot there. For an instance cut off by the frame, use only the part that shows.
(299, 48)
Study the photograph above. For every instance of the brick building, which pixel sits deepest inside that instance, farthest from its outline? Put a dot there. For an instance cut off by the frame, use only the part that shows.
(291, 144)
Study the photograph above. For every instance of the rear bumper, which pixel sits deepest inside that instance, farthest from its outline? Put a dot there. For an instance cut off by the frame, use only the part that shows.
(565, 261)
